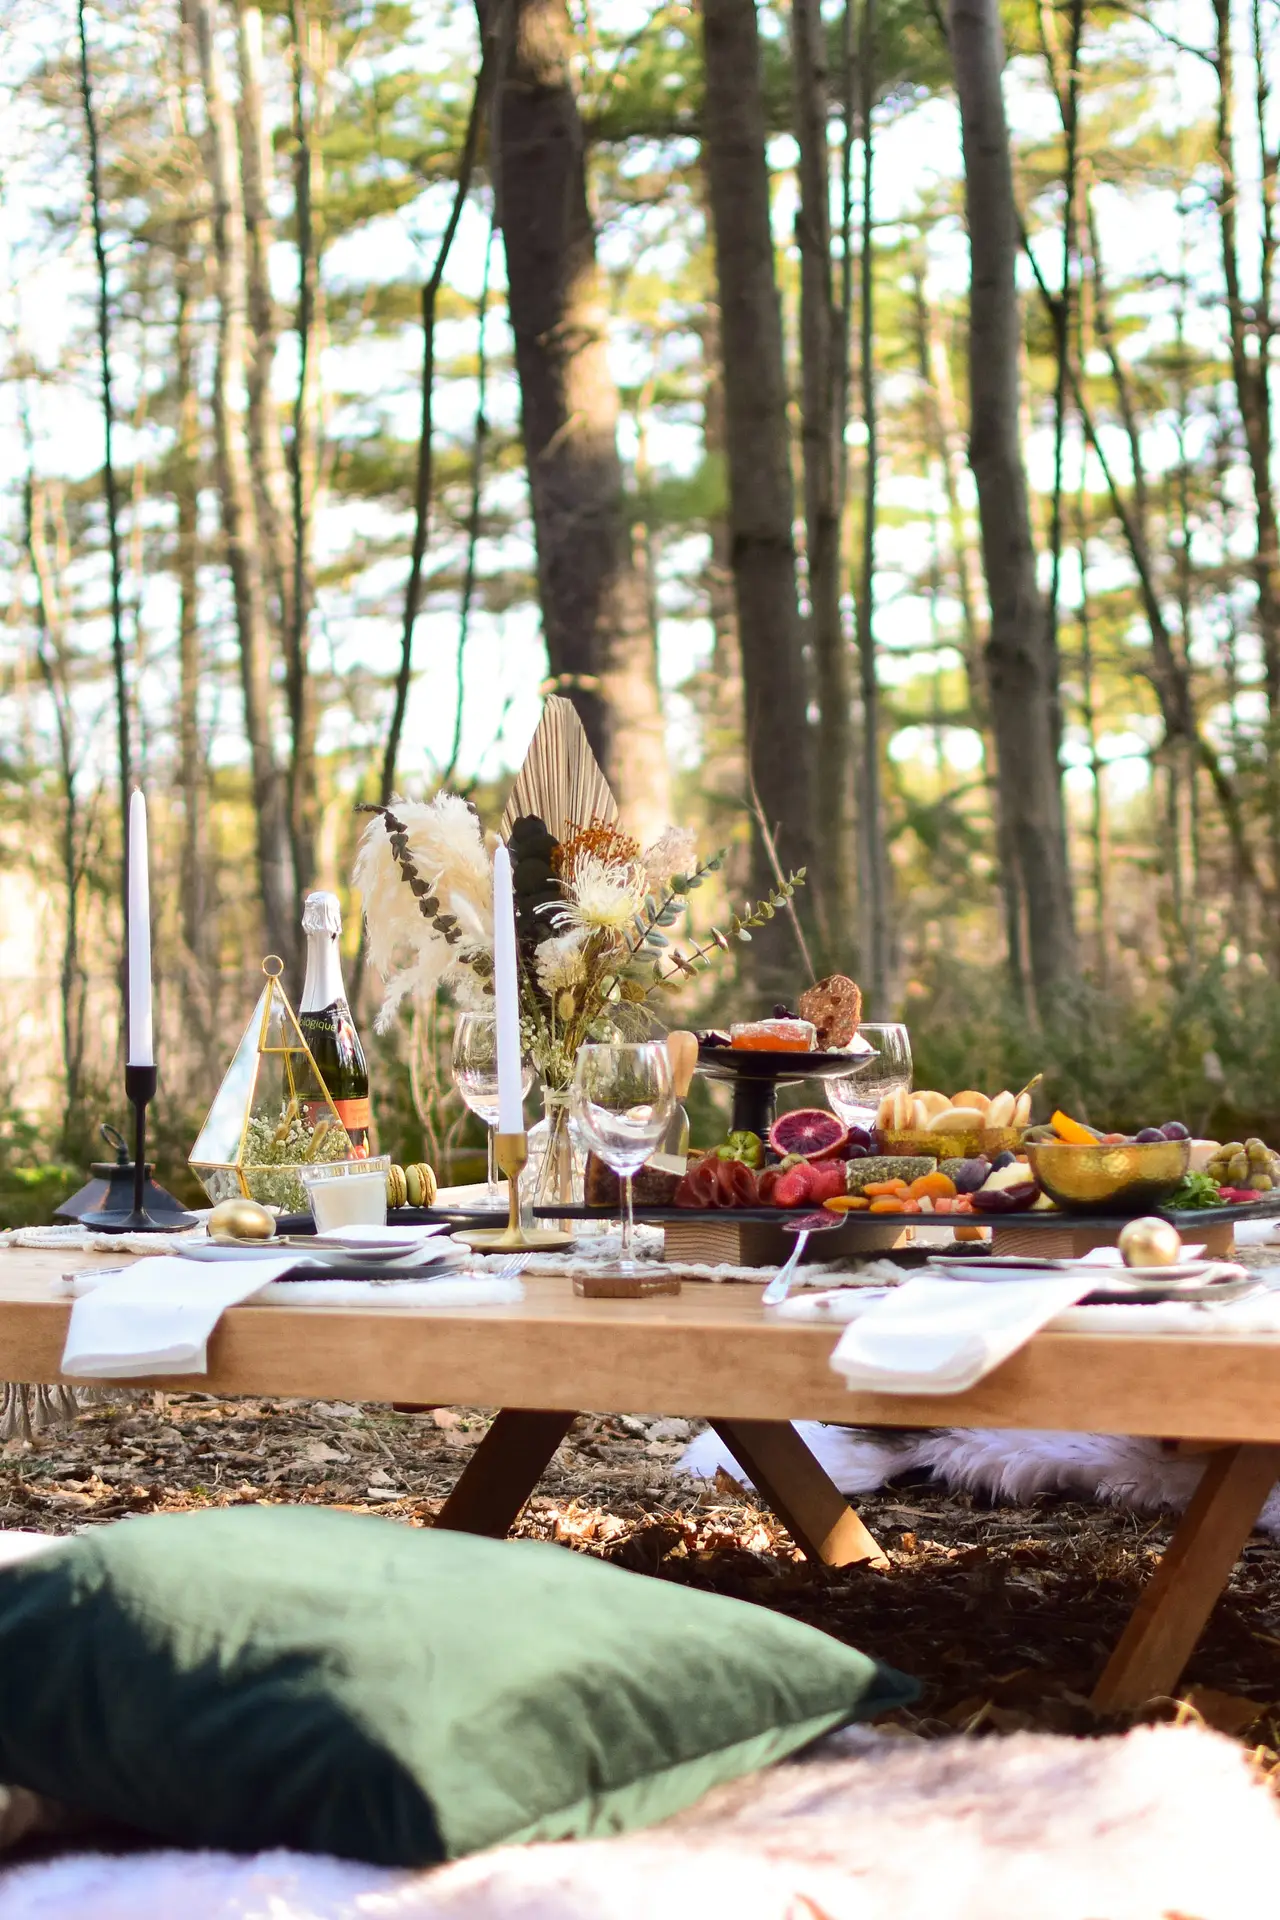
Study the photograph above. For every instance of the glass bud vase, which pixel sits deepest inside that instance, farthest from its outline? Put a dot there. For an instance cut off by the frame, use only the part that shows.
(557, 1159)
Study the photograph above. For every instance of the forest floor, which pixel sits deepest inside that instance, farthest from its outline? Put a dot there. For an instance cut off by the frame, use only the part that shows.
(1005, 1614)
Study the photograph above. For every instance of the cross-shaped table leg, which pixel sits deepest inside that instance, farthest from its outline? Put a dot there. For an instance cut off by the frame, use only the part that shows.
(1180, 1595)
(515, 1452)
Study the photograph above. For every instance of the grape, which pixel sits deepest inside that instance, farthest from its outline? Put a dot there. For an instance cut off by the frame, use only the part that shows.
(1003, 1160)
(1149, 1136)
(861, 1137)
(1174, 1130)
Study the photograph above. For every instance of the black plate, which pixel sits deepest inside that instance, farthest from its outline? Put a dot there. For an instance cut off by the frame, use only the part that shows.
(732, 1064)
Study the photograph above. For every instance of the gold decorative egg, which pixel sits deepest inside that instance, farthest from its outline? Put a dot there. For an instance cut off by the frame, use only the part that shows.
(241, 1220)
(1150, 1242)
(397, 1187)
(421, 1183)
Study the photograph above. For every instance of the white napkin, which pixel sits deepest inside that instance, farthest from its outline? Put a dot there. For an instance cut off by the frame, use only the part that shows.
(157, 1317)
(940, 1336)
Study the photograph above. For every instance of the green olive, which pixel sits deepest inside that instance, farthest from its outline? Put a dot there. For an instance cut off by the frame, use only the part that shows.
(1238, 1169)
(1262, 1183)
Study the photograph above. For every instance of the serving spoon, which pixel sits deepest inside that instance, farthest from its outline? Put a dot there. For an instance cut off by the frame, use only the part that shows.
(802, 1226)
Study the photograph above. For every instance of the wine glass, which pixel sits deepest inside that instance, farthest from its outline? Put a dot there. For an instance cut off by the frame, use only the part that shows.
(856, 1097)
(475, 1075)
(623, 1100)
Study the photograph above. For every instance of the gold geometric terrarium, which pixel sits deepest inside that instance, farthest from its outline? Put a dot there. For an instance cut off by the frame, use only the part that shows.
(272, 1113)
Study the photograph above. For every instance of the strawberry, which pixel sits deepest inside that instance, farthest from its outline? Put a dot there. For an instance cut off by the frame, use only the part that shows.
(795, 1189)
(826, 1180)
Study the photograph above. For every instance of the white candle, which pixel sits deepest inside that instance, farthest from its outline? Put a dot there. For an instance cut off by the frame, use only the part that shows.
(141, 1048)
(506, 998)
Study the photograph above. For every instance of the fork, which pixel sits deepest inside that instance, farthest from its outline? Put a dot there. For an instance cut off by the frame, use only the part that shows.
(513, 1266)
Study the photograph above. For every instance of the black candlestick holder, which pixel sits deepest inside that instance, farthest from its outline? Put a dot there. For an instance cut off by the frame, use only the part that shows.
(140, 1086)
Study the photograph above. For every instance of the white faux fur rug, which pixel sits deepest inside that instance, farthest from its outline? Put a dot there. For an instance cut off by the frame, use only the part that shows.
(1004, 1463)
(1164, 1821)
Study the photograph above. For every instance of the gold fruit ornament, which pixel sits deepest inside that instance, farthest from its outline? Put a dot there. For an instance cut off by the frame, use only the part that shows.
(1150, 1242)
(241, 1220)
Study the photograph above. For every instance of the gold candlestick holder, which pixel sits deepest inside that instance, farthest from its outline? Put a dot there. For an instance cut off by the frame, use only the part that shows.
(511, 1151)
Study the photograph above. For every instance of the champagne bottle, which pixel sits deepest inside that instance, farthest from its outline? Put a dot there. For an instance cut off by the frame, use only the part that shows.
(325, 1019)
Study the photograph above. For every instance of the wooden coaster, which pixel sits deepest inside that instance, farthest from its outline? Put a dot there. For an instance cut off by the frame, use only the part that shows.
(624, 1286)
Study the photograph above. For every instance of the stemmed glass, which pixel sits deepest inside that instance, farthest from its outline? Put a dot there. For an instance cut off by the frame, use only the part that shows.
(623, 1100)
(475, 1075)
(856, 1097)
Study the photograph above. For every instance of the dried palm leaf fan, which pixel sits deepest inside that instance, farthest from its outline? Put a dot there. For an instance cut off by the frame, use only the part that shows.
(560, 780)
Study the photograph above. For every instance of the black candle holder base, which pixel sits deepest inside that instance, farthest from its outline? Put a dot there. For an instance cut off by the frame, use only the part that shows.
(137, 1220)
(140, 1085)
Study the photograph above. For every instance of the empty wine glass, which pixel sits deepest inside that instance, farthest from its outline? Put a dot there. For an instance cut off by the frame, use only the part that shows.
(475, 1075)
(623, 1100)
(856, 1097)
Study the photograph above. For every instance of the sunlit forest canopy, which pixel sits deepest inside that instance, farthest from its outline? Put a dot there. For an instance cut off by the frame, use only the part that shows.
(370, 370)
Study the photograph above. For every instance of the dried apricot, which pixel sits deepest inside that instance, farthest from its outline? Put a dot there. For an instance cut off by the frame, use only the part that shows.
(889, 1203)
(938, 1186)
(877, 1189)
(847, 1203)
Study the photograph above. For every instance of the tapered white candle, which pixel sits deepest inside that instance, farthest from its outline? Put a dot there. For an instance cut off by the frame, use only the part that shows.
(506, 998)
(141, 1046)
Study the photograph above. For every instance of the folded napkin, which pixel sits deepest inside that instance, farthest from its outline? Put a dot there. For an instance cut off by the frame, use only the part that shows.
(940, 1336)
(157, 1317)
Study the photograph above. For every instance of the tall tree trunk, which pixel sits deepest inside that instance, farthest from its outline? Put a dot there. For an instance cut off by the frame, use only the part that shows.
(778, 737)
(1020, 672)
(241, 534)
(109, 488)
(52, 655)
(723, 764)
(822, 430)
(595, 615)
(196, 904)
(266, 453)
(1252, 329)
(303, 788)
(493, 32)
(877, 944)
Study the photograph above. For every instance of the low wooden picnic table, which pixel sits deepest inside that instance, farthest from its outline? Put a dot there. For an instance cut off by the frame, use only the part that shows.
(712, 1353)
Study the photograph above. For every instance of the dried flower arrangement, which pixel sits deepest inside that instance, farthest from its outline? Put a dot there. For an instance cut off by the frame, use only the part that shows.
(593, 911)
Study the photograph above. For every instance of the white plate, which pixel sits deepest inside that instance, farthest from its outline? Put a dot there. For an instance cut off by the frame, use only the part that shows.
(306, 1252)
(365, 1239)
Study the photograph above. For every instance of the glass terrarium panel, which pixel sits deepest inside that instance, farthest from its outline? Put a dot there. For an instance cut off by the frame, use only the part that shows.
(271, 1115)
(219, 1137)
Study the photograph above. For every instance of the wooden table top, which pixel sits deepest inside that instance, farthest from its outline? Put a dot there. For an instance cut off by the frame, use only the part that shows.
(710, 1351)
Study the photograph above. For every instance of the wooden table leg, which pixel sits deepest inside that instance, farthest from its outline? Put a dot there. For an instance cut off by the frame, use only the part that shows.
(1179, 1597)
(800, 1491)
(504, 1470)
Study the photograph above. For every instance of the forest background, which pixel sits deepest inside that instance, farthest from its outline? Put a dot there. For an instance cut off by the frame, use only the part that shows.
(861, 411)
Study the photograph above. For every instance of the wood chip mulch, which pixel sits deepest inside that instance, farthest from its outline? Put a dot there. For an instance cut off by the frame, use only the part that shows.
(1005, 1614)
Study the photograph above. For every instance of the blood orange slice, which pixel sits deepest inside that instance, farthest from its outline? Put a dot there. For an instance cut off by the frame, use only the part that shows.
(811, 1132)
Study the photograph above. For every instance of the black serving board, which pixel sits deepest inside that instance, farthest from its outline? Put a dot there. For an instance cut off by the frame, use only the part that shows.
(1185, 1219)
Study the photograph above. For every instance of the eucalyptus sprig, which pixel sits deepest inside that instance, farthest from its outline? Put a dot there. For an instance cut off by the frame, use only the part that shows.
(664, 910)
(684, 966)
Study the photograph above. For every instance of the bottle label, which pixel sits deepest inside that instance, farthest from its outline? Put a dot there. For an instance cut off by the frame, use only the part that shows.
(355, 1115)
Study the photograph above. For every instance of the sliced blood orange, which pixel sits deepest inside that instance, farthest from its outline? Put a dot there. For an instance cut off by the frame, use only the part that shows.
(812, 1132)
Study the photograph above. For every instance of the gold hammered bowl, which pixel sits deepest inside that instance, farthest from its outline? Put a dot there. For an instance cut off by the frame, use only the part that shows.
(1122, 1178)
(950, 1146)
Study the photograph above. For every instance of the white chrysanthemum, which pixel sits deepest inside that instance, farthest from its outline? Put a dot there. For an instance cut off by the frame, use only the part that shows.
(560, 963)
(601, 895)
(676, 851)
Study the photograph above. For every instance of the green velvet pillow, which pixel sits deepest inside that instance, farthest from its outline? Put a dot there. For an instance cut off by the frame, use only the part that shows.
(289, 1676)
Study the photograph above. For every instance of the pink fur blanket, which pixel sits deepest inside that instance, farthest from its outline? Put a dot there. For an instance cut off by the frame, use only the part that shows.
(1157, 1823)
